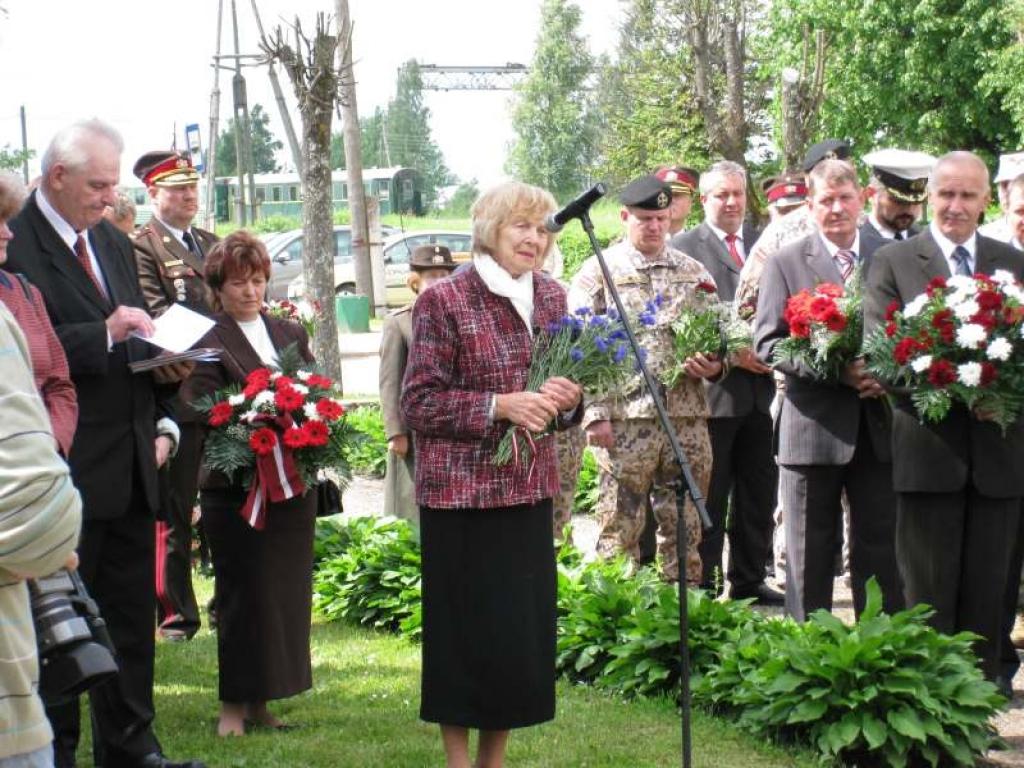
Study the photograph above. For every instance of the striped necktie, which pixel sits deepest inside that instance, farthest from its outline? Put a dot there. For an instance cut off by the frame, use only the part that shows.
(846, 260)
(82, 254)
(962, 257)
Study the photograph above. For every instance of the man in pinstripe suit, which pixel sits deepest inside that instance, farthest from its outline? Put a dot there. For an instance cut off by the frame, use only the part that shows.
(832, 435)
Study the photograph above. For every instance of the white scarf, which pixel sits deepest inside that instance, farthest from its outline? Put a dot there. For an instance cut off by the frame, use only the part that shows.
(518, 290)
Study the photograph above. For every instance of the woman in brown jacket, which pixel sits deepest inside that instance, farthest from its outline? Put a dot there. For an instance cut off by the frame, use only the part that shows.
(264, 577)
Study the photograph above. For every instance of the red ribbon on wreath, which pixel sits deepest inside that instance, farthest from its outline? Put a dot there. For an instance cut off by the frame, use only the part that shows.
(277, 476)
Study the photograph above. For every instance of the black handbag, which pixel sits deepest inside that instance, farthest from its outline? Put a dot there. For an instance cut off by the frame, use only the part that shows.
(328, 498)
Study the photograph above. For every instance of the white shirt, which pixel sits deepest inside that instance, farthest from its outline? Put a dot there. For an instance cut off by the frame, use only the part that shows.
(721, 234)
(1017, 244)
(884, 231)
(833, 249)
(256, 333)
(179, 234)
(947, 247)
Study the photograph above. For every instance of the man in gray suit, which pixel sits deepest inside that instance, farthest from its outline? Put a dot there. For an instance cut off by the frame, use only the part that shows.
(958, 482)
(832, 435)
(740, 428)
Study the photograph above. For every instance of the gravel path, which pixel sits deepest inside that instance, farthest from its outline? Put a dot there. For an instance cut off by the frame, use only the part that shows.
(366, 496)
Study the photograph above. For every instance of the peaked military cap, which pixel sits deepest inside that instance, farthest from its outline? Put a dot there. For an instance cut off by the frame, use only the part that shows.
(785, 191)
(165, 168)
(431, 257)
(648, 193)
(902, 172)
(681, 180)
(830, 149)
(1010, 167)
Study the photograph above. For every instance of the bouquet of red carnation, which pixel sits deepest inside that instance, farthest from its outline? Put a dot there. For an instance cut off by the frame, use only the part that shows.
(590, 350)
(278, 430)
(958, 342)
(825, 328)
(707, 328)
(302, 312)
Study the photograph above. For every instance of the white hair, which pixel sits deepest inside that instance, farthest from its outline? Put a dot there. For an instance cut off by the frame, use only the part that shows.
(713, 175)
(71, 146)
(957, 157)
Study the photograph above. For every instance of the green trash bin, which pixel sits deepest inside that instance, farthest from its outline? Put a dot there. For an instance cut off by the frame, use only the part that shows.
(353, 313)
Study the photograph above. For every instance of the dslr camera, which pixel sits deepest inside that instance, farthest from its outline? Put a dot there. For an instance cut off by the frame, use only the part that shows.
(75, 650)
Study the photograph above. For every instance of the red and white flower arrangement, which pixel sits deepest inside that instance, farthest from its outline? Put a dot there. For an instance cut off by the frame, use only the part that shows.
(278, 430)
(302, 312)
(825, 328)
(961, 341)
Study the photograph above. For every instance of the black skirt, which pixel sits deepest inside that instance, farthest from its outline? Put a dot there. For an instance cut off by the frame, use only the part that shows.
(264, 595)
(489, 587)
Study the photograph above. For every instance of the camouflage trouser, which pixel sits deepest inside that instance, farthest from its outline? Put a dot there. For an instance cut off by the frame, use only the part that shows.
(569, 445)
(641, 466)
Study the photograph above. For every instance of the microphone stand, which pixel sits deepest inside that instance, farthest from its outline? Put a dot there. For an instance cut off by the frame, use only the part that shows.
(687, 487)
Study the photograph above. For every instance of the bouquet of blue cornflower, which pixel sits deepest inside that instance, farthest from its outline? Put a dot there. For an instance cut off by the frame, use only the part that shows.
(706, 329)
(589, 349)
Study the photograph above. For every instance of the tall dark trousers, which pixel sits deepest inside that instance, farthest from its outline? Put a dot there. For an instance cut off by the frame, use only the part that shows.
(744, 469)
(1010, 658)
(954, 552)
(176, 601)
(116, 564)
(814, 530)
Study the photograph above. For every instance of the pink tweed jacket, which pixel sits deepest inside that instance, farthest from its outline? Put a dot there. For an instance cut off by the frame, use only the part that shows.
(469, 344)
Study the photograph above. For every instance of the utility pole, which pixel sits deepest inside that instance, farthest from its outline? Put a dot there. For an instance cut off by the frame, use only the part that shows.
(243, 143)
(211, 148)
(24, 145)
(286, 118)
(353, 155)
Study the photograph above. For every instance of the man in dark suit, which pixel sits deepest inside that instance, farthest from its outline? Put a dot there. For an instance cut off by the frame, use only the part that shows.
(169, 253)
(740, 428)
(832, 434)
(84, 268)
(897, 191)
(958, 482)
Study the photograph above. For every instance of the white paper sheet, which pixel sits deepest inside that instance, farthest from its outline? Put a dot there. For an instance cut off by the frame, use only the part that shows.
(179, 328)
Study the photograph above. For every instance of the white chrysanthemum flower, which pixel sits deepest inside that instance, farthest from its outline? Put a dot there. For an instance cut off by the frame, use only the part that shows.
(302, 389)
(305, 310)
(236, 399)
(962, 283)
(915, 305)
(970, 335)
(309, 410)
(966, 310)
(275, 375)
(303, 375)
(1003, 277)
(263, 398)
(969, 374)
(921, 364)
(959, 297)
(999, 349)
(1014, 292)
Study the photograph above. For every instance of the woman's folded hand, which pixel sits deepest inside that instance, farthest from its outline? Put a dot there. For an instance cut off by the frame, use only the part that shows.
(532, 410)
(563, 393)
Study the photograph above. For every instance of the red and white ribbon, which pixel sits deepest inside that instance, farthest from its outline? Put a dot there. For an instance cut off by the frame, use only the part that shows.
(277, 479)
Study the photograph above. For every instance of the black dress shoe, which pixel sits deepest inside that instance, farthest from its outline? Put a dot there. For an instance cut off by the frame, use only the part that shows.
(762, 594)
(157, 760)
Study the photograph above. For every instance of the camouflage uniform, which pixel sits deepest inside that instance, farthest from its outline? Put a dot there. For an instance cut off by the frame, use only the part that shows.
(569, 445)
(641, 464)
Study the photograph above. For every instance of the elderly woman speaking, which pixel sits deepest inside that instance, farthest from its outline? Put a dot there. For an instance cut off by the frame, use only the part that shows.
(488, 560)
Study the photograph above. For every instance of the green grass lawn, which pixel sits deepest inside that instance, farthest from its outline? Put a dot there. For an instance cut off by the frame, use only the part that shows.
(363, 712)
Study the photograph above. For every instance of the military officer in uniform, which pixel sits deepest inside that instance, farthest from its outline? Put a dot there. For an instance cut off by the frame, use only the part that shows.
(427, 265)
(898, 189)
(169, 252)
(683, 183)
(784, 194)
(633, 454)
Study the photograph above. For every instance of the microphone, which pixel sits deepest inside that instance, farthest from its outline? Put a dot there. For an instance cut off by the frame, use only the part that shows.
(555, 221)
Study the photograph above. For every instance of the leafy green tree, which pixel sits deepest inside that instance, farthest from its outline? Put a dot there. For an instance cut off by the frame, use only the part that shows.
(264, 145)
(1004, 76)
(371, 130)
(462, 200)
(918, 73)
(554, 122)
(13, 159)
(406, 133)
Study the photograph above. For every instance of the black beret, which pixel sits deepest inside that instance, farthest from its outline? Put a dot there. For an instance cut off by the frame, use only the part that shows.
(647, 192)
(835, 149)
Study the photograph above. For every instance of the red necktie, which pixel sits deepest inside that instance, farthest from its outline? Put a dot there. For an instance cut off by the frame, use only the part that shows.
(730, 240)
(82, 253)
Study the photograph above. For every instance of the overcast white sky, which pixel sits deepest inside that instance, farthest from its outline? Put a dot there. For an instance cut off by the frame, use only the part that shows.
(144, 65)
